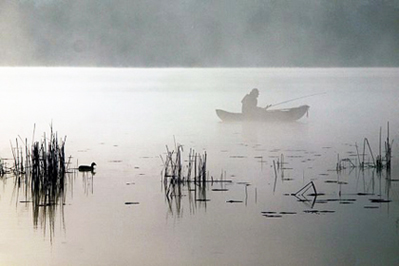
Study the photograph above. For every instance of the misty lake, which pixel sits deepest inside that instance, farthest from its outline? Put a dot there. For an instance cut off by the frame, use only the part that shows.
(126, 119)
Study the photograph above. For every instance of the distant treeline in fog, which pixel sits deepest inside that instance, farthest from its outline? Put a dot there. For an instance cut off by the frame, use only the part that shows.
(200, 33)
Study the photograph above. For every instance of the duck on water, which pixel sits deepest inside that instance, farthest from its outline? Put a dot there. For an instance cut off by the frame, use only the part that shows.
(87, 168)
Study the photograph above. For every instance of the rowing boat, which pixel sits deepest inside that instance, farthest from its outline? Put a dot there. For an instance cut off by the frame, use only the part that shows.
(276, 115)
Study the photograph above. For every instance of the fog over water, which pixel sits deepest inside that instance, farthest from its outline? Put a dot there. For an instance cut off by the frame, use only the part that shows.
(122, 83)
(188, 33)
(123, 119)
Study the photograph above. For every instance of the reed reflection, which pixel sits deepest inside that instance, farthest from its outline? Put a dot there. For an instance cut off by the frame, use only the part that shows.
(40, 177)
(191, 178)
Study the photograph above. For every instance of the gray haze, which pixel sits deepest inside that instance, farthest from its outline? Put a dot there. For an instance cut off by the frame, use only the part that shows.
(205, 33)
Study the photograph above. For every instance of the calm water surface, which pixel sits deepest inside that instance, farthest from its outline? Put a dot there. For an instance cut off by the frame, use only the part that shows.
(123, 119)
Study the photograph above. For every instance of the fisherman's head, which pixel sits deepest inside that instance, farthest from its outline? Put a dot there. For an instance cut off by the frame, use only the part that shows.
(254, 92)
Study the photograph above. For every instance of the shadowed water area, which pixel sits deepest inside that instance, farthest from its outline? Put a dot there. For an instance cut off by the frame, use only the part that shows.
(248, 209)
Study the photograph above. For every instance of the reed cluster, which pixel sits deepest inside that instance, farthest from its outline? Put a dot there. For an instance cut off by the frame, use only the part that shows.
(47, 171)
(41, 170)
(175, 172)
(380, 162)
(42, 165)
(188, 176)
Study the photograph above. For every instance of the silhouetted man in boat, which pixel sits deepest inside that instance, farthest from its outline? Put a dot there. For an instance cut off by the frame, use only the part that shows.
(250, 103)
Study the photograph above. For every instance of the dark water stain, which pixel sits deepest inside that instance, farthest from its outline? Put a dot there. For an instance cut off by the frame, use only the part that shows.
(327, 211)
(311, 211)
(364, 194)
(131, 203)
(371, 207)
(272, 215)
(336, 182)
(318, 212)
(380, 200)
(288, 213)
(316, 194)
(234, 201)
(243, 183)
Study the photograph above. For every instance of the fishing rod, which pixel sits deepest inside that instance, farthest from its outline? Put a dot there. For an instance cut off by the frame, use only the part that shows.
(307, 96)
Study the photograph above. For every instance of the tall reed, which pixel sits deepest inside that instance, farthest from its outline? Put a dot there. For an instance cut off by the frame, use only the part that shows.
(189, 175)
(379, 162)
(41, 170)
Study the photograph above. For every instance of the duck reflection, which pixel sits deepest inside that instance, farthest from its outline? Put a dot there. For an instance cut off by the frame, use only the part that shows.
(88, 181)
